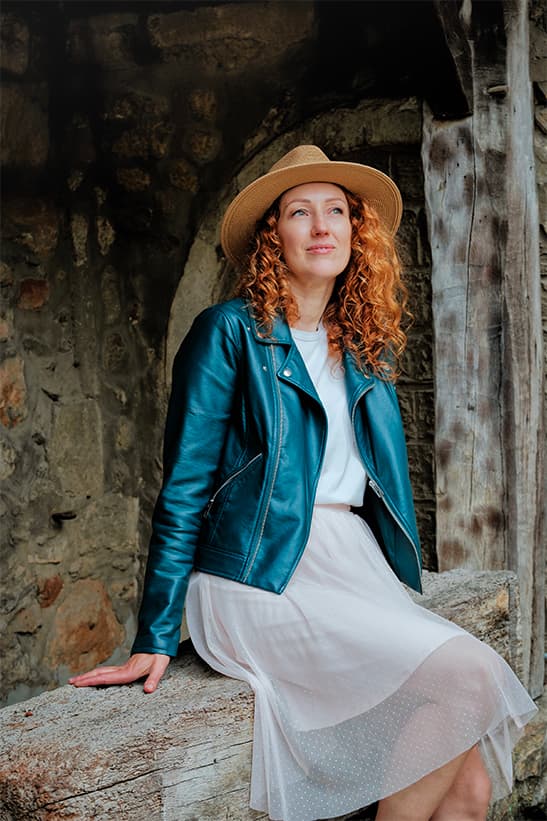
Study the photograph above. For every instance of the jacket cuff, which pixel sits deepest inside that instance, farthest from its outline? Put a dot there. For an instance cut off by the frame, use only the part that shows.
(146, 644)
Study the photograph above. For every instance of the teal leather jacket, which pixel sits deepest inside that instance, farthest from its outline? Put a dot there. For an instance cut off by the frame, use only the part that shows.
(244, 444)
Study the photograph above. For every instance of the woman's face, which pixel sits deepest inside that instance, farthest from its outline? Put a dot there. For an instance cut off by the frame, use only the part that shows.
(314, 229)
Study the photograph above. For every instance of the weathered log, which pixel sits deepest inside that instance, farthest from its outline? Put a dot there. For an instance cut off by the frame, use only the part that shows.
(483, 223)
(183, 753)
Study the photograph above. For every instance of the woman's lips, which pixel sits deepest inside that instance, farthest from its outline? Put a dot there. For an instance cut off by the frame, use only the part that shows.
(320, 249)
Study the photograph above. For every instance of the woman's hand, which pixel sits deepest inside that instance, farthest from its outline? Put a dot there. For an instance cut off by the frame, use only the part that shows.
(151, 665)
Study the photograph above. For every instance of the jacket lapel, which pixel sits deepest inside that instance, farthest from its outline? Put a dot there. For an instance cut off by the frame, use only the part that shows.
(291, 368)
(357, 382)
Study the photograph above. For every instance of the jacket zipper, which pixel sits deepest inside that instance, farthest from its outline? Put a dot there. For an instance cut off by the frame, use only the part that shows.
(276, 467)
(376, 487)
(381, 495)
(227, 481)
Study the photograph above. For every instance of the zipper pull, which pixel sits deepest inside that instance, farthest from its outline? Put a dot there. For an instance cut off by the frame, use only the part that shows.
(376, 488)
(207, 510)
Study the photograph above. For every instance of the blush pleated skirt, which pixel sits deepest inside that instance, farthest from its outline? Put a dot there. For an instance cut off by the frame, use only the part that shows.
(359, 692)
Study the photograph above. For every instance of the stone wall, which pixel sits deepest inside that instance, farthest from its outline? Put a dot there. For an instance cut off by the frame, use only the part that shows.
(123, 126)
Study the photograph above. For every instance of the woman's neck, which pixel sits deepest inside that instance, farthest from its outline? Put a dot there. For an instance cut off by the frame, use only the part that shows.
(311, 305)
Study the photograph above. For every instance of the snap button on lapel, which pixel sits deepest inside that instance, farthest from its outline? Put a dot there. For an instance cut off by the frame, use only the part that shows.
(287, 372)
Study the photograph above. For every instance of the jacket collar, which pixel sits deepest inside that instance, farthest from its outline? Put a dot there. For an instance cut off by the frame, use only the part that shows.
(281, 334)
(293, 369)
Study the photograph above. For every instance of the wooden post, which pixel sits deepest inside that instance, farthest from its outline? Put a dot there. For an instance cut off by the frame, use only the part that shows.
(522, 372)
(483, 222)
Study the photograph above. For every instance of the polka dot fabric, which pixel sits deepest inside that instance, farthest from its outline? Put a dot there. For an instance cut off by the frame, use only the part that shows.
(359, 691)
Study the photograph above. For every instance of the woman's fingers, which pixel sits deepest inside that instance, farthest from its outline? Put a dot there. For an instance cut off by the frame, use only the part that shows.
(111, 675)
(158, 668)
(104, 675)
(136, 667)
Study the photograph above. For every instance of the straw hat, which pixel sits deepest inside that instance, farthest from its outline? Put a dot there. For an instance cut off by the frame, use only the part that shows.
(305, 163)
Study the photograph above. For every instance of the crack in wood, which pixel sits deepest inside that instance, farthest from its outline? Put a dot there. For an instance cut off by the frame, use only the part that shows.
(98, 790)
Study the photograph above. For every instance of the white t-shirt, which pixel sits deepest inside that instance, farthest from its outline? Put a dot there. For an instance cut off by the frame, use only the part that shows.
(343, 477)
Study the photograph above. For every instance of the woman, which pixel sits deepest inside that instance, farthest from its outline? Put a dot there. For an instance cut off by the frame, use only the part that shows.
(286, 522)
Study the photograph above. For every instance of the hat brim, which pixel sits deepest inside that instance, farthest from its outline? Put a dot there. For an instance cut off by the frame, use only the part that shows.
(250, 205)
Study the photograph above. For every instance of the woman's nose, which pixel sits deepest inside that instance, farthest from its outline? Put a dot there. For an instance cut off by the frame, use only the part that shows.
(319, 225)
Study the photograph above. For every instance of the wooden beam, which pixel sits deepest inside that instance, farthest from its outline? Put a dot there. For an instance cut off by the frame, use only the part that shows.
(522, 352)
(483, 223)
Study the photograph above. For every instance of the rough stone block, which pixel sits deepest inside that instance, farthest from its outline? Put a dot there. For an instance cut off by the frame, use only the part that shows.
(33, 223)
(418, 282)
(420, 464)
(80, 576)
(394, 122)
(76, 449)
(425, 412)
(6, 275)
(407, 240)
(49, 589)
(14, 42)
(183, 176)
(33, 294)
(79, 230)
(115, 353)
(204, 145)
(233, 37)
(107, 529)
(85, 629)
(133, 179)
(407, 404)
(13, 392)
(540, 151)
(529, 797)
(110, 294)
(151, 139)
(426, 519)
(105, 235)
(541, 119)
(136, 106)
(203, 104)
(408, 173)
(28, 145)
(8, 460)
(105, 39)
(417, 362)
(531, 751)
(27, 620)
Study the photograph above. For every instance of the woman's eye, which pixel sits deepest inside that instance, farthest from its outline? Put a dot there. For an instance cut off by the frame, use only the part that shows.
(337, 210)
(297, 212)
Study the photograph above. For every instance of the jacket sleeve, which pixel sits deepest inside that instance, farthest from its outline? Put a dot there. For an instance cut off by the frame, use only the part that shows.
(204, 382)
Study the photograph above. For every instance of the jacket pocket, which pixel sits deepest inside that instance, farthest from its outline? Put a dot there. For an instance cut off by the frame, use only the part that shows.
(223, 489)
(230, 515)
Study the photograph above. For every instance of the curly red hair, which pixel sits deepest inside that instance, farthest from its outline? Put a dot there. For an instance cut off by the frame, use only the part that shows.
(365, 312)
